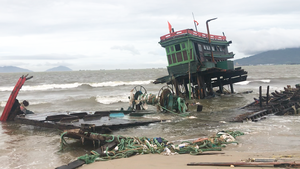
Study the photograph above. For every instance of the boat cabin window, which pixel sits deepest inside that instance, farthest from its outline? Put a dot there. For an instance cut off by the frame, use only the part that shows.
(179, 57)
(169, 59)
(200, 47)
(173, 58)
(179, 53)
(168, 50)
(183, 45)
(206, 47)
(185, 57)
(177, 47)
(172, 48)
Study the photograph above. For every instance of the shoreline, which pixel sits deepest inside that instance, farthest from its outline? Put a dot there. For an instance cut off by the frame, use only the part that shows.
(180, 161)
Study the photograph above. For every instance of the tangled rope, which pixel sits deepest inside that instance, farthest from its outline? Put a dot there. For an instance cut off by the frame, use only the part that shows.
(129, 146)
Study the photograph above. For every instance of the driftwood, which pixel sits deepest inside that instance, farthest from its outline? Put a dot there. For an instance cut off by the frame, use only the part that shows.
(286, 102)
(76, 133)
(275, 164)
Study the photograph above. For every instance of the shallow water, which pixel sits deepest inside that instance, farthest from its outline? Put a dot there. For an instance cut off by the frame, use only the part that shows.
(24, 146)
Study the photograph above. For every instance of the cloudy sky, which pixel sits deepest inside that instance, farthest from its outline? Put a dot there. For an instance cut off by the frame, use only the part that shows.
(121, 34)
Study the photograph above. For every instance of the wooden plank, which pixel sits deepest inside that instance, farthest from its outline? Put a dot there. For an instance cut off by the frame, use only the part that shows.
(286, 164)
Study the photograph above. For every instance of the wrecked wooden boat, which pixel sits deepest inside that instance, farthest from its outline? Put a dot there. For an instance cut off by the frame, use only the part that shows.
(285, 102)
(199, 62)
(98, 121)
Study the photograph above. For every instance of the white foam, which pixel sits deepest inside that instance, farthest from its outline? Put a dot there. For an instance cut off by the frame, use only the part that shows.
(119, 83)
(43, 87)
(51, 86)
(265, 80)
(3, 103)
(6, 88)
(74, 85)
(112, 99)
(243, 83)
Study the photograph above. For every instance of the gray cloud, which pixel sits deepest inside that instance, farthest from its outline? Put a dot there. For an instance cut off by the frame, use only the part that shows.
(129, 48)
(84, 34)
(42, 57)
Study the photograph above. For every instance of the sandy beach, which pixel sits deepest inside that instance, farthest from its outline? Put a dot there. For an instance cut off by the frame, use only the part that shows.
(151, 161)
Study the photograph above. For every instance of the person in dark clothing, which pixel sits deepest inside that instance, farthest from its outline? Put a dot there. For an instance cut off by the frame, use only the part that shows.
(15, 110)
(18, 109)
(23, 106)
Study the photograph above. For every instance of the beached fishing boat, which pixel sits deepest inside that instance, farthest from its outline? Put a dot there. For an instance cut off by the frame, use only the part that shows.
(198, 62)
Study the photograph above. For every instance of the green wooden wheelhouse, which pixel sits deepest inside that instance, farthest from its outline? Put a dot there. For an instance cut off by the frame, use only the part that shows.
(190, 47)
(199, 60)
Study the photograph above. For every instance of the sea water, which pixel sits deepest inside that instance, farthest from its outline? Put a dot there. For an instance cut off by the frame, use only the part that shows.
(25, 146)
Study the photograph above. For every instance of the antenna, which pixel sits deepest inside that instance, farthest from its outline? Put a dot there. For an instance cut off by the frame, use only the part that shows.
(194, 22)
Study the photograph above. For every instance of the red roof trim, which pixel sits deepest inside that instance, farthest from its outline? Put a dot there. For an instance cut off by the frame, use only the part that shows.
(195, 33)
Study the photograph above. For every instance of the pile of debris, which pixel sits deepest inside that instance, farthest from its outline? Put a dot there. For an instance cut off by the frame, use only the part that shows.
(285, 102)
(113, 147)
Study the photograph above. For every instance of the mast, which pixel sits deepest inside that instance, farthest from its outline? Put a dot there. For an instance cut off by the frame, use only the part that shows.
(212, 55)
(194, 22)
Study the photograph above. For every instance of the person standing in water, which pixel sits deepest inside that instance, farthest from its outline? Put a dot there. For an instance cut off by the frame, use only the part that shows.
(23, 106)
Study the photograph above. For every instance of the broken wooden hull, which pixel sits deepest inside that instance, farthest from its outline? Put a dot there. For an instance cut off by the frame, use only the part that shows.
(281, 103)
(97, 122)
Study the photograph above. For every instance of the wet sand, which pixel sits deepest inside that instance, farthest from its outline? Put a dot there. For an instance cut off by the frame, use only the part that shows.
(150, 161)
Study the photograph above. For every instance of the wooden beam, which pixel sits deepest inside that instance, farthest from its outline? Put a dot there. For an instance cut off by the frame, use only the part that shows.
(220, 84)
(267, 101)
(260, 97)
(231, 85)
(200, 87)
(285, 164)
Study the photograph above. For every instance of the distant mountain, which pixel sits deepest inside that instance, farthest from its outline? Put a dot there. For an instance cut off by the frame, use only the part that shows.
(59, 69)
(9, 69)
(282, 56)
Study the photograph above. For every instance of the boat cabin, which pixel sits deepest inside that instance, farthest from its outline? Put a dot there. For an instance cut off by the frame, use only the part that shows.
(201, 61)
(191, 47)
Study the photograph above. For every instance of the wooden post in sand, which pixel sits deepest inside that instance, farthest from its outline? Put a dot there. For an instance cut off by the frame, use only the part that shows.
(267, 101)
(260, 97)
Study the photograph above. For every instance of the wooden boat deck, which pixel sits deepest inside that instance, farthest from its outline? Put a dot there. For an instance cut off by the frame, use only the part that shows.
(96, 122)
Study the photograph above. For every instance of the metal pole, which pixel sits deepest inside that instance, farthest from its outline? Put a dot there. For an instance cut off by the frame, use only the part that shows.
(194, 22)
(208, 34)
(190, 88)
(267, 101)
(190, 81)
(260, 97)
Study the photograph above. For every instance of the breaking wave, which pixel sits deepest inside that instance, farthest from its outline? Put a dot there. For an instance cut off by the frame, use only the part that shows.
(112, 99)
(120, 83)
(254, 81)
(243, 83)
(75, 85)
(3, 103)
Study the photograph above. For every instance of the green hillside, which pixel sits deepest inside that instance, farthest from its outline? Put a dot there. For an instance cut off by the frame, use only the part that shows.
(282, 56)
(7, 69)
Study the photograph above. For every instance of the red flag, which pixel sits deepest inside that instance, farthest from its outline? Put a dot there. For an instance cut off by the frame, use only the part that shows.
(196, 22)
(170, 27)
